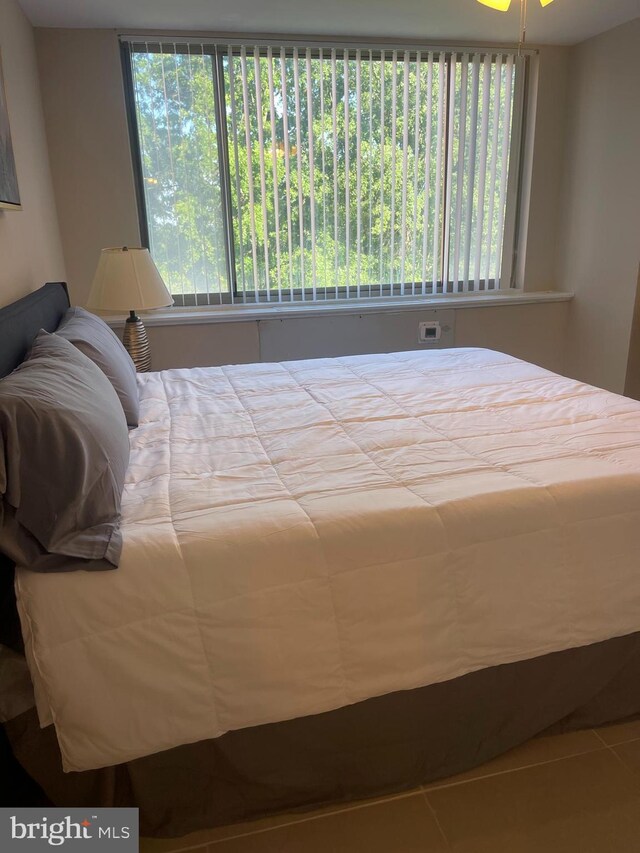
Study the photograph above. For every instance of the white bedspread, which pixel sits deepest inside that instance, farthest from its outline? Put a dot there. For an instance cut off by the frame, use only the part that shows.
(302, 536)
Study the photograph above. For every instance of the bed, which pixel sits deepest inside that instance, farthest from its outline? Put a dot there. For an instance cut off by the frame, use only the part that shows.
(340, 577)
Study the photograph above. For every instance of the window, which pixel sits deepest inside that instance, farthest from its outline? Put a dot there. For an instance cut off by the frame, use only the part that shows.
(274, 174)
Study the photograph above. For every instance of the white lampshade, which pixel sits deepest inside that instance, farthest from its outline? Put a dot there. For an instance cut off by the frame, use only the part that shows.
(127, 280)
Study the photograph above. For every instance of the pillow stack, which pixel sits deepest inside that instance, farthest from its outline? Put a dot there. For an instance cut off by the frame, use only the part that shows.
(64, 417)
(97, 341)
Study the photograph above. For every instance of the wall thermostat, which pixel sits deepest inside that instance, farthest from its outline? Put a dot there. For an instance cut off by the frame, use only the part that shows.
(429, 333)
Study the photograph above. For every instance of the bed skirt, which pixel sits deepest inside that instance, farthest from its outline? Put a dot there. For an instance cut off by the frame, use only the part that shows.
(376, 747)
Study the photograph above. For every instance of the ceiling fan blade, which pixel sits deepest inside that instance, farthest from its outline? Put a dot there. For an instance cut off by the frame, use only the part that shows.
(500, 5)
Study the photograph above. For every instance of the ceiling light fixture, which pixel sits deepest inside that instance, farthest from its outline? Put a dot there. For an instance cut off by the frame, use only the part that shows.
(504, 5)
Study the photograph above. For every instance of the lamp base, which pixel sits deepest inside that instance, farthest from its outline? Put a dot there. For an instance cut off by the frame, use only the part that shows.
(136, 343)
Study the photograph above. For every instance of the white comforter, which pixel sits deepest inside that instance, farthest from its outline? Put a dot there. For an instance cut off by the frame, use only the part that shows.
(302, 536)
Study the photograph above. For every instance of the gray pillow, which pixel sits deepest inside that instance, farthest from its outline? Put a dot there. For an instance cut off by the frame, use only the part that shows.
(63, 458)
(98, 342)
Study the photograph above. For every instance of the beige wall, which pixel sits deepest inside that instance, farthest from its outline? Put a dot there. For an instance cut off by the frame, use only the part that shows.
(88, 146)
(599, 249)
(632, 381)
(543, 216)
(534, 332)
(30, 248)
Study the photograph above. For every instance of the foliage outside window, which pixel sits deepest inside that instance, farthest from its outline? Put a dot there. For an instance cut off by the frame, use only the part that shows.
(289, 174)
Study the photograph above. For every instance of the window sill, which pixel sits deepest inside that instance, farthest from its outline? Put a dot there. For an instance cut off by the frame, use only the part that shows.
(246, 313)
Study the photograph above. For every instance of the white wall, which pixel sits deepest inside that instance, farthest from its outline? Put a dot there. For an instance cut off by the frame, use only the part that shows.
(30, 247)
(599, 248)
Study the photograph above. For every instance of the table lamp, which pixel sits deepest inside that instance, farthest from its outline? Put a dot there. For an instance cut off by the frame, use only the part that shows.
(128, 280)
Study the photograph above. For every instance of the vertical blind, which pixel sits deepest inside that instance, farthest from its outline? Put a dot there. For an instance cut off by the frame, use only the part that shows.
(305, 174)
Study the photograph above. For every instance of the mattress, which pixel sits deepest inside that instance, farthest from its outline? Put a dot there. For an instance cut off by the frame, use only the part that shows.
(300, 537)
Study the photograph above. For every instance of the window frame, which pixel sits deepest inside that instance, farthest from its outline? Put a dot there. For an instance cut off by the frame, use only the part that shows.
(218, 48)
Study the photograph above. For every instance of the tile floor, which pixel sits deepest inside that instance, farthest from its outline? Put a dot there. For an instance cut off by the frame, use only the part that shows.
(570, 793)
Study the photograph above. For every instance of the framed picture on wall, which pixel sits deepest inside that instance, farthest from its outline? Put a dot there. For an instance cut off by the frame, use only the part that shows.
(9, 193)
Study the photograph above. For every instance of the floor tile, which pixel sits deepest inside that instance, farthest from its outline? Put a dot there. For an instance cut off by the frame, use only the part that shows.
(629, 753)
(169, 845)
(535, 751)
(620, 732)
(585, 804)
(204, 837)
(405, 825)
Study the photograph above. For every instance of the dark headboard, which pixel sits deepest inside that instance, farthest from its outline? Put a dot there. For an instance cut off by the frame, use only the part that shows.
(21, 321)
